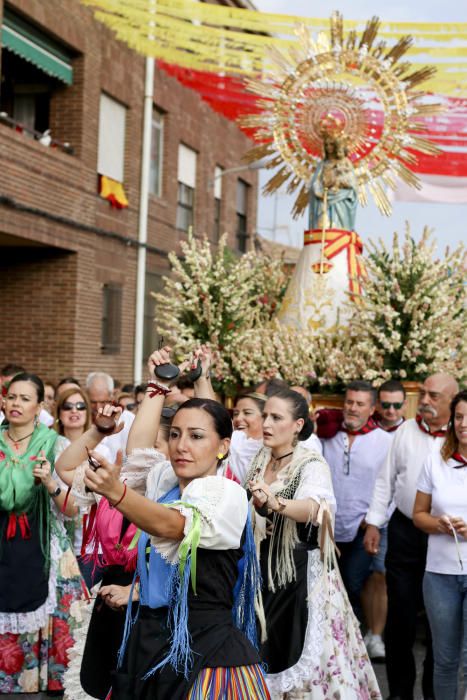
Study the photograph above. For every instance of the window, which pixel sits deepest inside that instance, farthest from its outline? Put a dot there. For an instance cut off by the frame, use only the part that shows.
(157, 144)
(111, 153)
(242, 208)
(26, 93)
(154, 283)
(111, 319)
(36, 71)
(186, 187)
(218, 173)
(185, 206)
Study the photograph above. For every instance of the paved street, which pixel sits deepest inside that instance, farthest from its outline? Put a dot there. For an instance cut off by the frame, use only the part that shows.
(380, 670)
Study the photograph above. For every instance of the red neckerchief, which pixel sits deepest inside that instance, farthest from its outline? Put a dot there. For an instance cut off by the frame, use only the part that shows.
(364, 430)
(392, 429)
(424, 428)
(459, 458)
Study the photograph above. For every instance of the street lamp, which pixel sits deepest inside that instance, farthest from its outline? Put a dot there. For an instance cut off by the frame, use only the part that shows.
(257, 165)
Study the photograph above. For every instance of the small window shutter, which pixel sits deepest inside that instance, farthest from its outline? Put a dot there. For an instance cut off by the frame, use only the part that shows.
(187, 166)
(111, 318)
(111, 155)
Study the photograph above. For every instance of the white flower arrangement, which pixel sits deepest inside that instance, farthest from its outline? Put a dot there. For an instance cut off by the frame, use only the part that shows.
(411, 319)
(217, 298)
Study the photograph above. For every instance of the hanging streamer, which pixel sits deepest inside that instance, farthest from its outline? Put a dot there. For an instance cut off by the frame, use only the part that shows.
(213, 48)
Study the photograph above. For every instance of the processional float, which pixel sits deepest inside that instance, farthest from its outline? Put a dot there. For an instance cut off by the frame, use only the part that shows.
(340, 118)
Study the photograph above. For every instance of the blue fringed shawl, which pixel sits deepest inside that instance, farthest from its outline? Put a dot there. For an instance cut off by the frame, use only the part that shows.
(163, 584)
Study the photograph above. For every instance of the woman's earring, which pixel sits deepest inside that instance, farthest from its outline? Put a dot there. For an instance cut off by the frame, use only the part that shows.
(36, 421)
(220, 456)
(295, 440)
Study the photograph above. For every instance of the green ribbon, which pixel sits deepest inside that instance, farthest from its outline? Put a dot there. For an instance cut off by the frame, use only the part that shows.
(135, 539)
(189, 543)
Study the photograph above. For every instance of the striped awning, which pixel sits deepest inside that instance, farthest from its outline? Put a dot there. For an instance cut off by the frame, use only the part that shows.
(27, 41)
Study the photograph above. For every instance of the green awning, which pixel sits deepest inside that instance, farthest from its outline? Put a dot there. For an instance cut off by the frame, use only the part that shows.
(27, 41)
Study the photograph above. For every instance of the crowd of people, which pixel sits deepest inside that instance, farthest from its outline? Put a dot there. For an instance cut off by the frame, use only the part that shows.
(155, 545)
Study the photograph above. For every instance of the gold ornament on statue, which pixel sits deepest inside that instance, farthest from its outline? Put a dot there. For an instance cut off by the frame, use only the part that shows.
(344, 87)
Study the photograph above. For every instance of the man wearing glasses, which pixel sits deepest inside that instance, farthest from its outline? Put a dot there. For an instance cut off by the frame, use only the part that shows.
(389, 416)
(405, 561)
(355, 455)
(390, 407)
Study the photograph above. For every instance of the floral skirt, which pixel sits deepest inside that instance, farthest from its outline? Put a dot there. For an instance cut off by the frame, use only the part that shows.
(334, 661)
(33, 662)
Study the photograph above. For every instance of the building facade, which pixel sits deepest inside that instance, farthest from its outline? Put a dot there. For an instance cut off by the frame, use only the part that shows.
(71, 112)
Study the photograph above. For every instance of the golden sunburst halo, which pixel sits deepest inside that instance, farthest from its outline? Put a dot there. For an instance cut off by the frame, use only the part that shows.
(361, 84)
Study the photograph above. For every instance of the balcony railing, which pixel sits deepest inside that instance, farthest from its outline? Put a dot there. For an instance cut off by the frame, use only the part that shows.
(44, 138)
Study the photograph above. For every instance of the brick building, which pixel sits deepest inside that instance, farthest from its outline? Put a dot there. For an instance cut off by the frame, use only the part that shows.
(67, 257)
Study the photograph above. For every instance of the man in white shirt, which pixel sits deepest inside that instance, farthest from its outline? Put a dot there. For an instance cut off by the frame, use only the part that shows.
(355, 455)
(389, 416)
(405, 560)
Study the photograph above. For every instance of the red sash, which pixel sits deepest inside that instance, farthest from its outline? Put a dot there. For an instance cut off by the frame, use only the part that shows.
(424, 428)
(459, 458)
(21, 521)
(392, 429)
(369, 426)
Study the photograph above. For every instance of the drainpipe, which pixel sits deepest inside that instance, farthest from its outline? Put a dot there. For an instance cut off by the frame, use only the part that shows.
(143, 220)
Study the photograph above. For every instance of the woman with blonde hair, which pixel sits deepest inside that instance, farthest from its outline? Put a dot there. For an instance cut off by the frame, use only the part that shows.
(72, 414)
(73, 417)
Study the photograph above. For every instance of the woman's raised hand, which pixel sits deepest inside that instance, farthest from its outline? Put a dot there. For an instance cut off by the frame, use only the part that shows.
(162, 357)
(105, 478)
(111, 411)
(204, 354)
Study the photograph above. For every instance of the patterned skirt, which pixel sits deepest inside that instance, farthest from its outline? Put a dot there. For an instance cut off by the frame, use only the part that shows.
(31, 662)
(235, 683)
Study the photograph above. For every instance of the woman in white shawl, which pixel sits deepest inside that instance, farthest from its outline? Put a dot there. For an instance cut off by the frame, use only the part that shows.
(311, 642)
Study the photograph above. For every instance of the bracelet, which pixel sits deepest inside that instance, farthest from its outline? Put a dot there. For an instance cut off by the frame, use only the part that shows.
(281, 502)
(155, 389)
(263, 510)
(122, 497)
(55, 493)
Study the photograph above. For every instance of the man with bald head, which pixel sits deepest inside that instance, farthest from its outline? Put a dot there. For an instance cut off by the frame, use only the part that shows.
(405, 560)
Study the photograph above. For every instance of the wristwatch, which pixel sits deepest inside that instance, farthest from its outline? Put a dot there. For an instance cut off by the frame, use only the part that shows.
(56, 493)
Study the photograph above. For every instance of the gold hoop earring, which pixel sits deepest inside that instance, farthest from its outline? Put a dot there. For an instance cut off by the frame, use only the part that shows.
(220, 456)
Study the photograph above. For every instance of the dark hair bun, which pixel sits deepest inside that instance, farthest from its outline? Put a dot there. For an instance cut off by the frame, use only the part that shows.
(307, 430)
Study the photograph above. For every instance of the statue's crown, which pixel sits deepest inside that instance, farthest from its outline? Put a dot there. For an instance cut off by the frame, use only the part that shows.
(332, 126)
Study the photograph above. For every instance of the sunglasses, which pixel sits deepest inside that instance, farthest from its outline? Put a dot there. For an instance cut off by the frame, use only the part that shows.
(129, 406)
(79, 405)
(387, 404)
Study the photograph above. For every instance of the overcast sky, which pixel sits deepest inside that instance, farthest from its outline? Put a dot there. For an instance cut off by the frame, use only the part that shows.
(448, 221)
